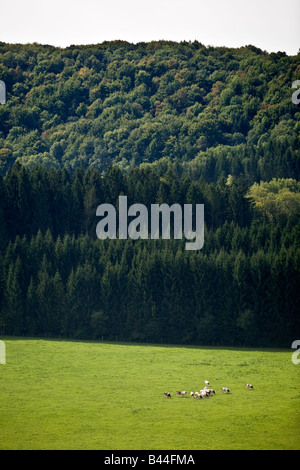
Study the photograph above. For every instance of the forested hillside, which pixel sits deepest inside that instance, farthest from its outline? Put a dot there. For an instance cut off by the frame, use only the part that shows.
(218, 110)
(160, 122)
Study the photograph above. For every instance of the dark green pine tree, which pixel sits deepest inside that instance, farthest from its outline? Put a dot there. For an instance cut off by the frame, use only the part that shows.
(44, 294)
(109, 300)
(25, 201)
(77, 207)
(134, 318)
(3, 228)
(2, 291)
(12, 211)
(13, 301)
(40, 200)
(32, 310)
(82, 300)
(90, 204)
(113, 184)
(57, 302)
(70, 321)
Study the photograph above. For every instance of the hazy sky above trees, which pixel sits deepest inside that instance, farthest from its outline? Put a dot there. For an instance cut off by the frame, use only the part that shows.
(271, 26)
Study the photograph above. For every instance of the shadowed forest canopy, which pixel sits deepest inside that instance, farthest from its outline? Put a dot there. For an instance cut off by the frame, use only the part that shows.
(159, 122)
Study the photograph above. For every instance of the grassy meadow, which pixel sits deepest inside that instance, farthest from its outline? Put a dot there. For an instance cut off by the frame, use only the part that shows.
(57, 394)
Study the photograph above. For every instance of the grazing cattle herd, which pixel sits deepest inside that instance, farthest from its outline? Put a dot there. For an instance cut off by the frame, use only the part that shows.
(205, 392)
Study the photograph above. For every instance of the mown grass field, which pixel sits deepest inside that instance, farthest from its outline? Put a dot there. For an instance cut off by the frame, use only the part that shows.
(91, 395)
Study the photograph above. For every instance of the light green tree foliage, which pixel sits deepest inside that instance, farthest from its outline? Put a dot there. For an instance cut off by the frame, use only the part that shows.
(277, 200)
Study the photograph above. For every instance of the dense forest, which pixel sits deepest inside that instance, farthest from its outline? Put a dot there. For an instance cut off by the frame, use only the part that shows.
(160, 122)
(216, 110)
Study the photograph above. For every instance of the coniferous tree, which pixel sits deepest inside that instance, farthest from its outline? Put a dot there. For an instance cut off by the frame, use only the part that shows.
(13, 301)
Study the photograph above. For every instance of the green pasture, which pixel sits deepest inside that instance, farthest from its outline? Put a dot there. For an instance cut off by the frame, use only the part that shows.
(57, 394)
